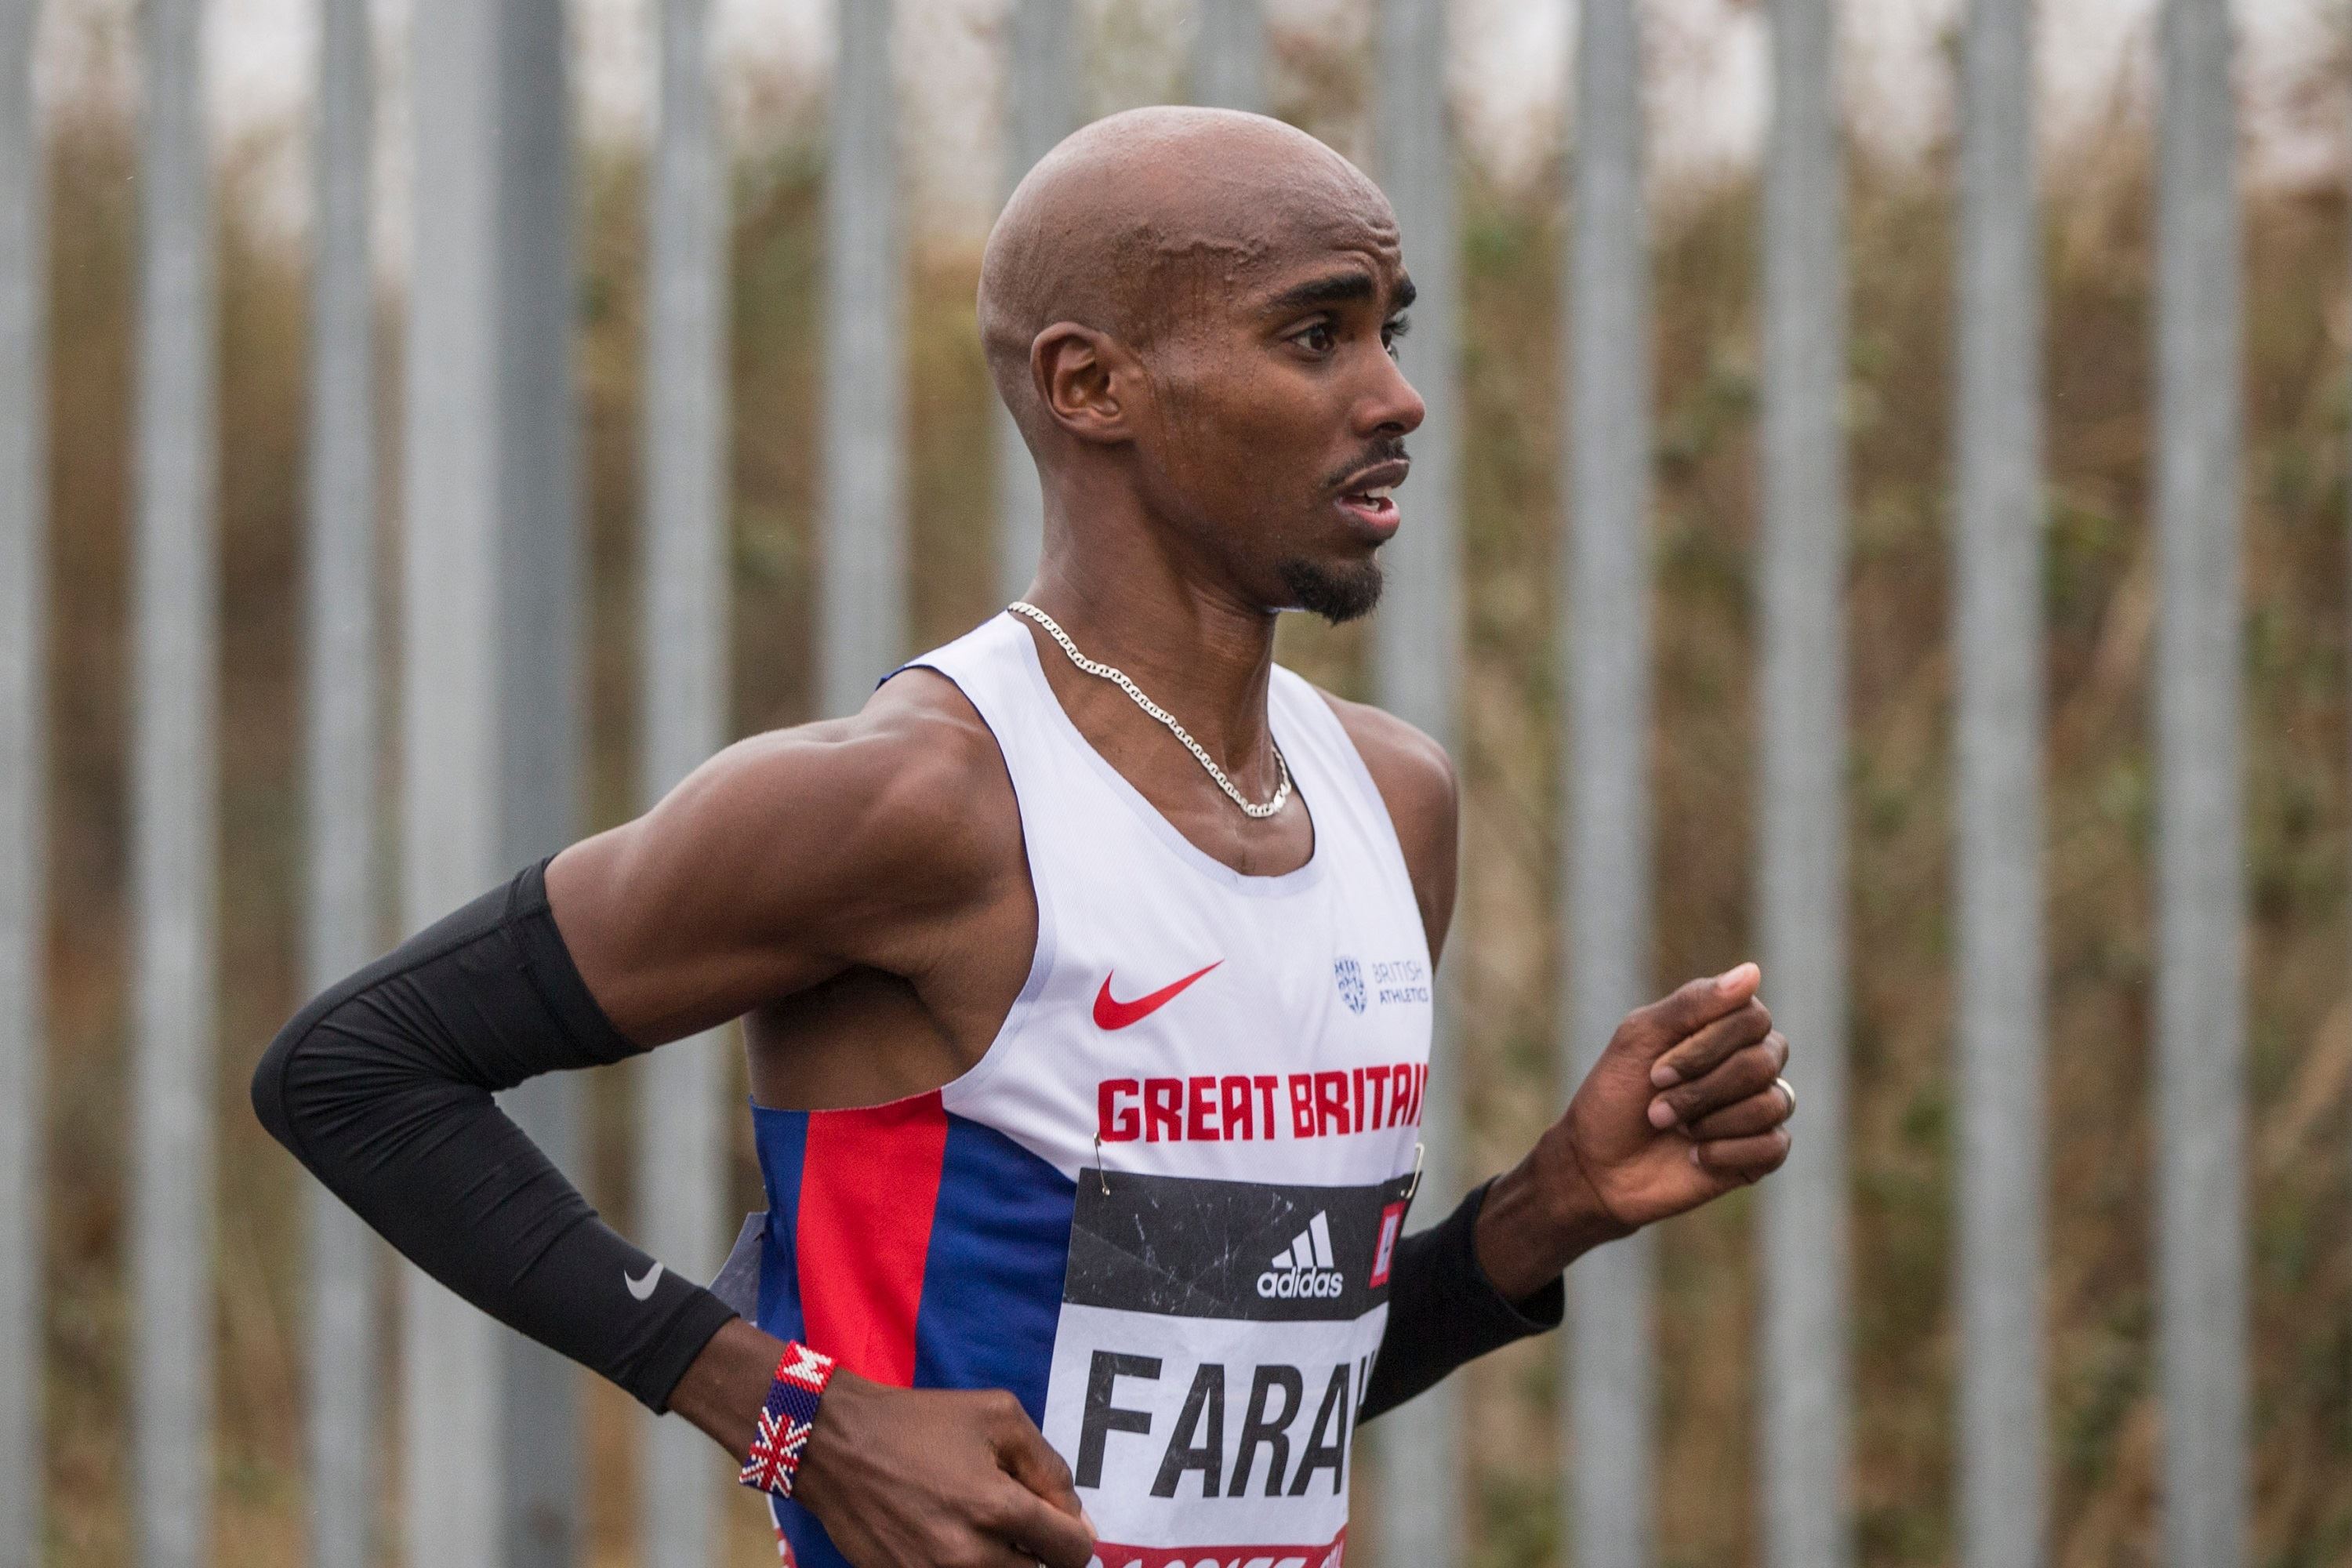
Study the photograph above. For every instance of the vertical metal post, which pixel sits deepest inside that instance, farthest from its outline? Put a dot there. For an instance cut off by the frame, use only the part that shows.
(491, 697)
(1997, 870)
(684, 636)
(1805, 1401)
(2200, 895)
(1605, 917)
(492, 694)
(23, 779)
(1417, 670)
(344, 888)
(862, 597)
(453, 1474)
(175, 834)
(1229, 55)
(540, 691)
(1041, 106)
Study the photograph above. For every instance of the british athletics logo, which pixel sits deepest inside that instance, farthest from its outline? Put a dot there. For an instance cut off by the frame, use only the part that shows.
(1349, 974)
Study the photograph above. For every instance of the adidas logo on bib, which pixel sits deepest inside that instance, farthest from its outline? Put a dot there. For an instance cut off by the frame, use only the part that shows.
(1303, 1268)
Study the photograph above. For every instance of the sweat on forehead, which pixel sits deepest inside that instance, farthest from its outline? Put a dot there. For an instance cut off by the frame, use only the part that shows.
(1137, 216)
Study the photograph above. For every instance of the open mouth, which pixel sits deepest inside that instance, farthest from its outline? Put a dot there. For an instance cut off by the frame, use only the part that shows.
(1374, 506)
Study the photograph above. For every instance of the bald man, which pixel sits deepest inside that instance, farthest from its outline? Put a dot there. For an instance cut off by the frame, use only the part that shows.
(1086, 974)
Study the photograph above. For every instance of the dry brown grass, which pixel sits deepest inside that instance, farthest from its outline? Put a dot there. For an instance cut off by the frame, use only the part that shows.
(2100, 586)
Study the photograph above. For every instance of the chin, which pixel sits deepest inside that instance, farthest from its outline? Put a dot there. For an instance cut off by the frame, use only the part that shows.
(1337, 591)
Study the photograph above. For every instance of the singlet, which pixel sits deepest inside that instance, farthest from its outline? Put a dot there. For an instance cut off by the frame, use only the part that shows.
(1159, 1208)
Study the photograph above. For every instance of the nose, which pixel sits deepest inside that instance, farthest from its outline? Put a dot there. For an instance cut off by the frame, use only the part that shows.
(1390, 406)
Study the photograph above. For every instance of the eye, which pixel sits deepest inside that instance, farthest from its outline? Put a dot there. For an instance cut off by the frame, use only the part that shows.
(1396, 328)
(1318, 339)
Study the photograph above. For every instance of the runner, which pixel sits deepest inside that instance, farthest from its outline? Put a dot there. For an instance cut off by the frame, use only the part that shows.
(1086, 974)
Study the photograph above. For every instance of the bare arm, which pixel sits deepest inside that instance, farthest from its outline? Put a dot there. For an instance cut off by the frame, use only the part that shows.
(890, 840)
(779, 864)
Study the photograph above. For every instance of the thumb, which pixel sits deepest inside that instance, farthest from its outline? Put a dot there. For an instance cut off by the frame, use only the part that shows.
(1691, 1007)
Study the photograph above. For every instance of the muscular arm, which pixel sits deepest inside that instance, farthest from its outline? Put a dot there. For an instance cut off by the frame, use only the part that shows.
(888, 842)
(382, 1087)
(779, 863)
(874, 842)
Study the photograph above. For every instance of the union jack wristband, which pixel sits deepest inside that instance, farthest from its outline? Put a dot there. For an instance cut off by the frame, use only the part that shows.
(785, 1420)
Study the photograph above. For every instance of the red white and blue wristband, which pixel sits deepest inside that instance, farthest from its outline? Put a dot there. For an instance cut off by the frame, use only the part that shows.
(786, 1418)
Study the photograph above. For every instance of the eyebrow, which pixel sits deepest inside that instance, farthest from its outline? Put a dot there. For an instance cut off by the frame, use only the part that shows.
(1336, 289)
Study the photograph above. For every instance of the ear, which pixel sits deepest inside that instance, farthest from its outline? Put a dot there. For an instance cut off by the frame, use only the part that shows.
(1083, 379)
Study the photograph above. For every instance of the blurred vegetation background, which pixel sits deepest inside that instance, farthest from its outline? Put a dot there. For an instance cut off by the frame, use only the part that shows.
(2100, 593)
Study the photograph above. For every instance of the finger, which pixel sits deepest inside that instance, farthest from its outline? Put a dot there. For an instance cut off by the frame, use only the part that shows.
(1743, 1159)
(1759, 1112)
(1748, 1071)
(986, 1552)
(1702, 1051)
(1031, 1460)
(1022, 1520)
(1659, 1025)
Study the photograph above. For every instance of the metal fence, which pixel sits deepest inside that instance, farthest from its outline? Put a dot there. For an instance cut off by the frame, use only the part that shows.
(491, 730)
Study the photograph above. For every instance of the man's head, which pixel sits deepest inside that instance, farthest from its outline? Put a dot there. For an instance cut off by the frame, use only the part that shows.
(1193, 308)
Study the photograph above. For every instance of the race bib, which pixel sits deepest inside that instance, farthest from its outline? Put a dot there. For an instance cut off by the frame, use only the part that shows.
(1213, 1349)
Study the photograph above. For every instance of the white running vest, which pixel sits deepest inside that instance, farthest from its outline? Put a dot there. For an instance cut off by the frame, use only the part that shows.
(1228, 1070)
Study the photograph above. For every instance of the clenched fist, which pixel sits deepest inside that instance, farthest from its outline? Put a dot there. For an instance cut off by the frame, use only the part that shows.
(903, 1477)
(1685, 1104)
(962, 1479)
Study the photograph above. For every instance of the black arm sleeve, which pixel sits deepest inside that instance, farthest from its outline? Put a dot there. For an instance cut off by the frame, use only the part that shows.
(381, 1086)
(1444, 1311)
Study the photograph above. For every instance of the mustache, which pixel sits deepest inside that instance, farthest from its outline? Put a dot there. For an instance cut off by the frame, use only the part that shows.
(1390, 449)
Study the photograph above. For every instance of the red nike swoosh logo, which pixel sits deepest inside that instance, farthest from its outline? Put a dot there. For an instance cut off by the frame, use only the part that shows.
(1110, 1013)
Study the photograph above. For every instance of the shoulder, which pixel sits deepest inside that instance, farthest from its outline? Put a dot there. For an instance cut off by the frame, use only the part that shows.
(1415, 777)
(827, 835)
(792, 856)
(912, 782)
(1418, 784)
(938, 775)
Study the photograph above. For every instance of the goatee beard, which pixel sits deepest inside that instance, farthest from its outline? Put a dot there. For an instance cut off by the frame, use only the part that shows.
(1338, 594)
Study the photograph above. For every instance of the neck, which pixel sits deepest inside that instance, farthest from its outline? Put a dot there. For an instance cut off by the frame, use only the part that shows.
(1131, 597)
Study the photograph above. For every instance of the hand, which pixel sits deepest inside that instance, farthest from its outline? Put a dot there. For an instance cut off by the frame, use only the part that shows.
(903, 1476)
(1682, 1107)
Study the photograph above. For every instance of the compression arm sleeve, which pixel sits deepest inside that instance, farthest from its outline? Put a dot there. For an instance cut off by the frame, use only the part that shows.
(381, 1086)
(1443, 1312)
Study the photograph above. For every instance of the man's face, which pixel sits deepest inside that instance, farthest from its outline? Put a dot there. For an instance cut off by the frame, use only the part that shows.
(1279, 414)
